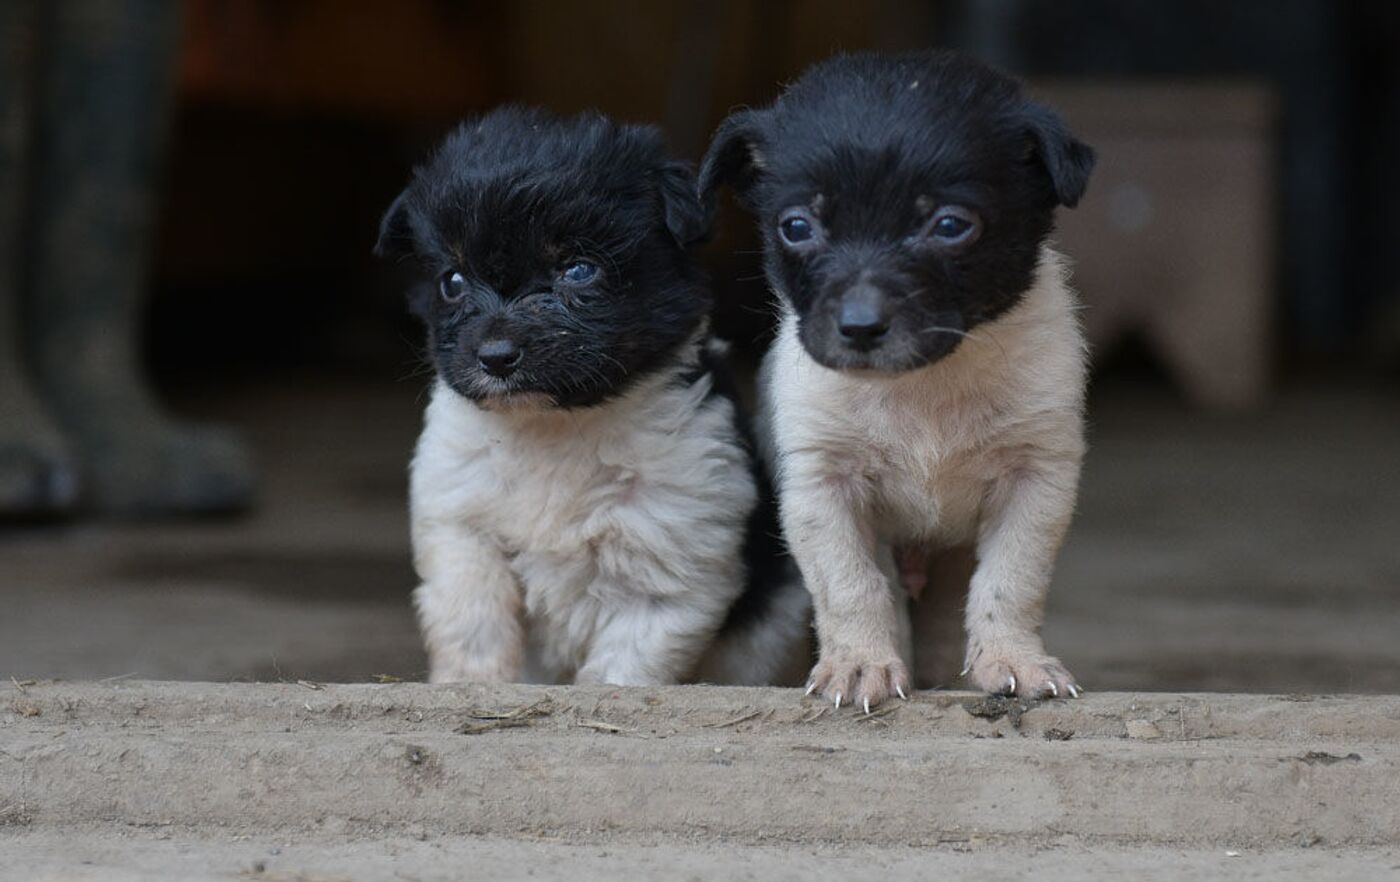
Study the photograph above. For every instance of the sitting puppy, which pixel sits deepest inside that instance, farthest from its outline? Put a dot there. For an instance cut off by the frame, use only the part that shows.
(581, 496)
(926, 387)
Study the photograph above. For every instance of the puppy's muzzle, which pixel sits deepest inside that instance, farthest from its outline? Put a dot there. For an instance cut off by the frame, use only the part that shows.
(863, 317)
(499, 357)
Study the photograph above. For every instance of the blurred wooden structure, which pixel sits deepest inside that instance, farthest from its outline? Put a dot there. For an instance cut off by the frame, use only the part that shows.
(415, 58)
(1176, 238)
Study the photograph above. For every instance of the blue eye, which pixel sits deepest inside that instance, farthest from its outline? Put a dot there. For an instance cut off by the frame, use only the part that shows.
(797, 228)
(951, 227)
(580, 272)
(453, 286)
(955, 225)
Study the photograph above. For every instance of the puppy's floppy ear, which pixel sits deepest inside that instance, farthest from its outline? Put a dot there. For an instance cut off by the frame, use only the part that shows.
(395, 234)
(685, 218)
(735, 157)
(1066, 159)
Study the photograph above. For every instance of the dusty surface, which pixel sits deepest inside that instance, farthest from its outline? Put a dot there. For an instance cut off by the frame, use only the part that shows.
(359, 782)
(1251, 554)
(131, 856)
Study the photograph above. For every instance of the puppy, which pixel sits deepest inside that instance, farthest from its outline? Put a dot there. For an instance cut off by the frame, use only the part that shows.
(926, 387)
(581, 496)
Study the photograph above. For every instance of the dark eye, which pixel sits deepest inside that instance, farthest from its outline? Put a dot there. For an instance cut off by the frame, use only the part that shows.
(955, 225)
(580, 272)
(797, 228)
(453, 286)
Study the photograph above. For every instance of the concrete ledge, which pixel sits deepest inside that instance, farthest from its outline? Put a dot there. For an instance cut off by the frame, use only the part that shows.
(156, 856)
(699, 763)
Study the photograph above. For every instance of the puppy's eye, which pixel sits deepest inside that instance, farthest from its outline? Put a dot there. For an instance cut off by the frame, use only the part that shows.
(453, 286)
(580, 272)
(797, 228)
(955, 225)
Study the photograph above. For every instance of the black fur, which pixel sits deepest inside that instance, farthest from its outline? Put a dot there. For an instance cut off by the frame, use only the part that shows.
(871, 148)
(509, 201)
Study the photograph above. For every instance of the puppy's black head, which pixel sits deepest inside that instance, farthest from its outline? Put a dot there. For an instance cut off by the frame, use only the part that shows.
(555, 251)
(902, 199)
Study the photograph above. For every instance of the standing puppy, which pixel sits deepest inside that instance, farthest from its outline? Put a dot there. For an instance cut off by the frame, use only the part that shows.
(926, 387)
(581, 497)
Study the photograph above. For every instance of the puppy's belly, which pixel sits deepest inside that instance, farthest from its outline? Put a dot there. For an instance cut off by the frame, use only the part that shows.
(628, 559)
(561, 615)
(940, 509)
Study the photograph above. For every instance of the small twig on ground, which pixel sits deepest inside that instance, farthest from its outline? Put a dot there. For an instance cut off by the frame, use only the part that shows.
(386, 678)
(314, 687)
(602, 726)
(22, 685)
(542, 708)
(470, 728)
(611, 729)
(125, 676)
(734, 722)
(487, 721)
(815, 715)
(878, 712)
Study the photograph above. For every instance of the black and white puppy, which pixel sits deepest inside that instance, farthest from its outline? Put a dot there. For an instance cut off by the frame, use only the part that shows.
(925, 391)
(581, 497)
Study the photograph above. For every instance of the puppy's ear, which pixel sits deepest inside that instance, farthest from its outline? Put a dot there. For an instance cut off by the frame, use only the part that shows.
(735, 157)
(685, 218)
(395, 234)
(1066, 159)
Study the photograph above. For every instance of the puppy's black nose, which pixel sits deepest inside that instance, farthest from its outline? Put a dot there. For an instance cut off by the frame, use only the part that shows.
(864, 316)
(499, 357)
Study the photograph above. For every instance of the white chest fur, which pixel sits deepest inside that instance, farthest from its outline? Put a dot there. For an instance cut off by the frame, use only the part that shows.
(638, 504)
(921, 450)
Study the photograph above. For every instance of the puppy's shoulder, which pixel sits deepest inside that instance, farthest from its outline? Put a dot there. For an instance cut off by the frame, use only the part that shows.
(1048, 337)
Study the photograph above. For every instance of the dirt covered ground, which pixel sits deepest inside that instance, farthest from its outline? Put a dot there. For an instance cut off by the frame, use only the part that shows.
(309, 781)
(1211, 556)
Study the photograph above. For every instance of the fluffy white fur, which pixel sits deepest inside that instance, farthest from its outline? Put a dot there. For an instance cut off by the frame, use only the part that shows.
(592, 545)
(982, 448)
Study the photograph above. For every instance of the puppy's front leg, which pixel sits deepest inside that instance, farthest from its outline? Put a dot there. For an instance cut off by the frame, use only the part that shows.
(831, 537)
(652, 641)
(469, 606)
(1024, 522)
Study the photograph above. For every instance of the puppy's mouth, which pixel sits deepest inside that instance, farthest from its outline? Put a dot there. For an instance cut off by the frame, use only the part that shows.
(502, 395)
(907, 344)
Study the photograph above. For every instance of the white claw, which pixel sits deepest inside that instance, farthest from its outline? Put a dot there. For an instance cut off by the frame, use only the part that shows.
(900, 691)
(867, 707)
(1013, 683)
(838, 701)
(1073, 690)
(964, 671)
(1053, 691)
(811, 687)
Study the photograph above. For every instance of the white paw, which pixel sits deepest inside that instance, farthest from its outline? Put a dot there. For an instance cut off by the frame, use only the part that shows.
(847, 678)
(1029, 675)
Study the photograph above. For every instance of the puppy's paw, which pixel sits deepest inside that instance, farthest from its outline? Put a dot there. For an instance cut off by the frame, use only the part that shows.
(848, 678)
(453, 667)
(1027, 674)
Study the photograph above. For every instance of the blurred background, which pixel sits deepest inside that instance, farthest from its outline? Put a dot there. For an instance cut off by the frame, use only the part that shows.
(189, 192)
